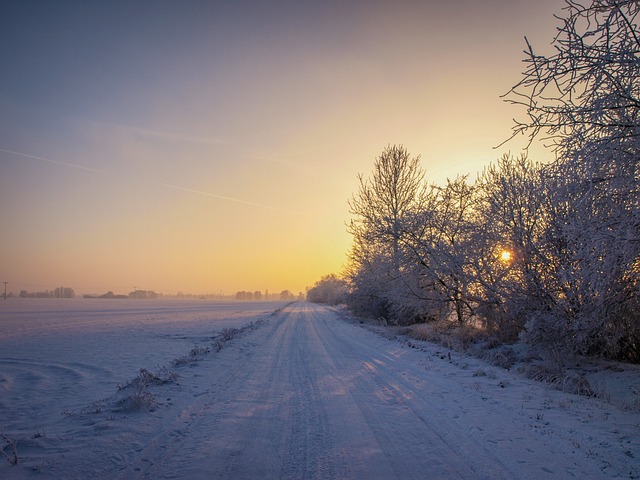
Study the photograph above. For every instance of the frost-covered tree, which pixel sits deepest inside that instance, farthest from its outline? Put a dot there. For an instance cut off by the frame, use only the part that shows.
(507, 261)
(438, 244)
(585, 100)
(591, 250)
(587, 93)
(383, 204)
(454, 221)
(384, 200)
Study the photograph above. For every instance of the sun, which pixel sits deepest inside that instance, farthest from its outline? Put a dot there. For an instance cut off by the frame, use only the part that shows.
(505, 256)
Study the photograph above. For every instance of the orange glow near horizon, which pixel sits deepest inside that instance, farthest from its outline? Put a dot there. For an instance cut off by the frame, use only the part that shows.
(214, 148)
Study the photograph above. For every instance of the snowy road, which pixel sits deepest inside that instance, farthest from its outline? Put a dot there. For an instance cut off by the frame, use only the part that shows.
(315, 398)
(311, 396)
(307, 395)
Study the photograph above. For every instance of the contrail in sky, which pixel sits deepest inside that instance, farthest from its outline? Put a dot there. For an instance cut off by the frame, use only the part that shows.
(166, 185)
(55, 162)
(213, 195)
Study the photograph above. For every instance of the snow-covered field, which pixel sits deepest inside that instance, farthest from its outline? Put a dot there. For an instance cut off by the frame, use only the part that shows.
(298, 393)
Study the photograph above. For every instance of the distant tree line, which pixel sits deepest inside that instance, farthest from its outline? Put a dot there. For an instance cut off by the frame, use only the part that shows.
(60, 292)
(109, 295)
(546, 254)
(135, 295)
(143, 295)
(330, 290)
(257, 295)
(242, 295)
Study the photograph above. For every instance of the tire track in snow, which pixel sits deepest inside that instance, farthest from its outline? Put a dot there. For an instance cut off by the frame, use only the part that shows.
(309, 396)
(406, 441)
(308, 438)
(305, 401)
(174, 447)
(424, 422)
(264, 418)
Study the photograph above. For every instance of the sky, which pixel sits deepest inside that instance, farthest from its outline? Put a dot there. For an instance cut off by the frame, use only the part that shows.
(212, 146)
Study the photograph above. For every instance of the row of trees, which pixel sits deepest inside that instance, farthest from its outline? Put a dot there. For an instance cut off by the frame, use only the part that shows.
(243, 295)
(59, 292)
(548, 253)
(257, 295)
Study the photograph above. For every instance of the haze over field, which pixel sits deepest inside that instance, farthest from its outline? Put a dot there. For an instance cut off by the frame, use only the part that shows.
(212, 146)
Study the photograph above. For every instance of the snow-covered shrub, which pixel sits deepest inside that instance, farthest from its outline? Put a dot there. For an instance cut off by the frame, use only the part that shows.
(548, 372)
(369, 281)
(422, 332)
(576, 384)
(543, 331)
(504, 357)
(330, 290)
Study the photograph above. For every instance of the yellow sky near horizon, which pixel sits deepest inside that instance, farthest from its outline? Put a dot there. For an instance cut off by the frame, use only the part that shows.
(214, 147)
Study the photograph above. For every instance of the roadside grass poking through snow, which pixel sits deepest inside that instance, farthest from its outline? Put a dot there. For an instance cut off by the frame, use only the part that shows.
(10, 449)
(553, 374)
(229, 334)
(192, 357)
(445, 333)
(145, 378)
(470, 340)
(503, 357)
(141, 398)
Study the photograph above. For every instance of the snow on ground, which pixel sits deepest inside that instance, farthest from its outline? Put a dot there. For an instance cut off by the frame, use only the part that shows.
(299, 393)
